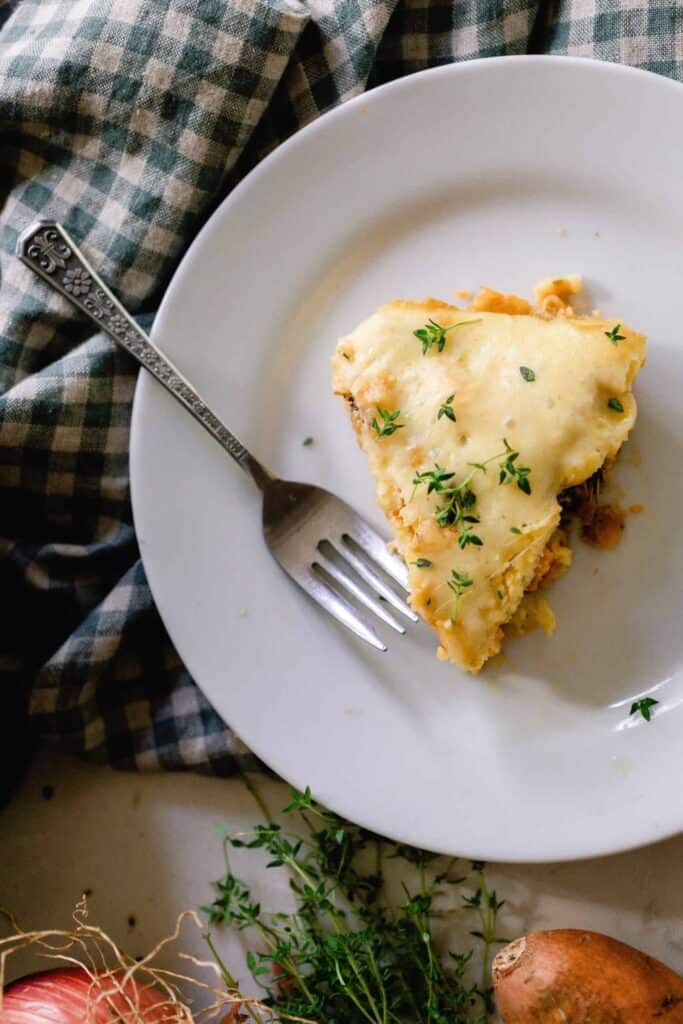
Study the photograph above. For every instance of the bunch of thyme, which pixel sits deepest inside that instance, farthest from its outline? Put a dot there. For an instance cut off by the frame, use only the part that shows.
(346, 954)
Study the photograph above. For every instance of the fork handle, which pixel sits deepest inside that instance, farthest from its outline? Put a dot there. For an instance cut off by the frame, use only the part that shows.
(48, 249)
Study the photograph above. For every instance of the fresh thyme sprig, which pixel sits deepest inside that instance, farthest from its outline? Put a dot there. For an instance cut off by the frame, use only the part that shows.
(460, 500)
(487, 905)
(458, 584)
(388, 425)
(643, 707)
(446, 409)
(344, 953)
(614, 335)
(509, 471)
(458, 511)
(434, 334)
(434, 478)
(466, 537)
(615, 405)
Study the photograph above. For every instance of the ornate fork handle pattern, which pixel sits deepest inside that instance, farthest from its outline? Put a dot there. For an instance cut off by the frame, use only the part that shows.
(50, 251)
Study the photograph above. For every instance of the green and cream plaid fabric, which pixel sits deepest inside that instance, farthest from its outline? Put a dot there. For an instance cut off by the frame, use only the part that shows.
(128, 120)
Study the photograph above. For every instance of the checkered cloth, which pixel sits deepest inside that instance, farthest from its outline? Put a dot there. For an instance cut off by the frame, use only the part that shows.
(128, 120)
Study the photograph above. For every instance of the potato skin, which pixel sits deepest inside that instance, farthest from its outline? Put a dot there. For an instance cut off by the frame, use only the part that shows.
(570, 976)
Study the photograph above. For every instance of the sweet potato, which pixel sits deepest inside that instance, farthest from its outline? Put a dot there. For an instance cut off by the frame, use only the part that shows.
(576, 977)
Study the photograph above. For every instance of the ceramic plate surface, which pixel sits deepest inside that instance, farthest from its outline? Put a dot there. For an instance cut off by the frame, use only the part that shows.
(499, 172)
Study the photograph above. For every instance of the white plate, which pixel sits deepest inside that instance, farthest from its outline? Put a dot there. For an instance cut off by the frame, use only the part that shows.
(498, 171)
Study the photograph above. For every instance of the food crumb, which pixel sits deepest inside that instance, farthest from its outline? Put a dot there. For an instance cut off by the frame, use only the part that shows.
(463, 293)
(636, 509)
(622, 765)
(561, 232)
(87, 892)
(47, 792)
(132, 921)
(596, 234)
(606, 527)
(307, 442)
(595, 312)
(242, 613)
(532, 613)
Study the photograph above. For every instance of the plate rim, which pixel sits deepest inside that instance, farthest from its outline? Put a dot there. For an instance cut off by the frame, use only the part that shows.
(300, 138)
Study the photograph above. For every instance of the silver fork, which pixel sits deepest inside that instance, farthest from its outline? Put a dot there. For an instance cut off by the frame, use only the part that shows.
(326, 547)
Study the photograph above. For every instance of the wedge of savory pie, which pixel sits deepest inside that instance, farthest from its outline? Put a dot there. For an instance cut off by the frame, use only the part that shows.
(476, 423)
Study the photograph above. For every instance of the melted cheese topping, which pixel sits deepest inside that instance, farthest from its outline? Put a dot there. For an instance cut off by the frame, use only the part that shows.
(560, 423)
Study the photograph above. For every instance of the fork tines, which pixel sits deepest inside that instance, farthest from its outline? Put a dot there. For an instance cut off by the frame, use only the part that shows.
(339, 570)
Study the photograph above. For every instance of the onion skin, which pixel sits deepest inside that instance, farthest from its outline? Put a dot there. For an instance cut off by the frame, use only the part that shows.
(576, 977)
(62, 996)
